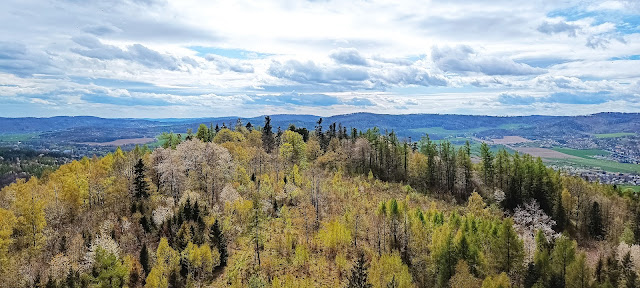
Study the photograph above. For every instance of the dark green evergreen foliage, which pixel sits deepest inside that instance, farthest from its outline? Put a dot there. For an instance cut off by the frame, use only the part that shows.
(636, 221)
(186, 210)
(51, 283)
(630, 275)
(140, 184)
(320, 136)
(302, 131)
(63, 244)
(37, 280)
(446, 262)
(487, 164)
(613, 269)
(268, 141)
(133, 208)
(559, 215)
(175, 281)
(557, 281)
(359, 278)
(144, 259)
(513, 193)
(429, 149)
(595, 221)
(146, 225)
(71, 279)
(599, 271)
(217, 240)
(531, 276)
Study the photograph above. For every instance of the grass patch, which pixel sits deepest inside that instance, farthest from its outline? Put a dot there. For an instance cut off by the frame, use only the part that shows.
(18, 137)
(635, 189)
(613, 135)
(587, 153)
(606, 165)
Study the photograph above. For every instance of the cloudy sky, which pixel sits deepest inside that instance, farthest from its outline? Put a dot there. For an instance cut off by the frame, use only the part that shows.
(187, 58)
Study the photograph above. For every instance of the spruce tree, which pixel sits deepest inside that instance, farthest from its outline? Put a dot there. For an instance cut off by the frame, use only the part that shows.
(487, 164)
(630, 276)
(509, 249)
(359, 277)
(140, 184)
(268, 142)
(595, 221)
(217, 239)
(144, 259)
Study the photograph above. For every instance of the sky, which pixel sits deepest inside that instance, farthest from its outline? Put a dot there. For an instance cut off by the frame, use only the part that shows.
(188, 58)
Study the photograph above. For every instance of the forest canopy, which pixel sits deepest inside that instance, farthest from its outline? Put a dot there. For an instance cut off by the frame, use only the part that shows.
(250, 206)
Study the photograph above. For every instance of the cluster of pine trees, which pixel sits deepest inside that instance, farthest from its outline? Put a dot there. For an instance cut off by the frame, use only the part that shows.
(250, 207)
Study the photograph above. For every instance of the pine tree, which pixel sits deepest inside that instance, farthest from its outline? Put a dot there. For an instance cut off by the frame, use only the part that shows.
(595, 221)
(599, 273)
(358, 277)
(509, 250)
(140, 184)
(217, 239)
(630, 275)
(144, 259)
(579, 274)
(613, 269)
(487, 164)
(563, 254)
(268, 142)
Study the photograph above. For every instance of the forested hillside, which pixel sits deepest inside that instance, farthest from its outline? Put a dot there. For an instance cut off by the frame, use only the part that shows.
(253, 206)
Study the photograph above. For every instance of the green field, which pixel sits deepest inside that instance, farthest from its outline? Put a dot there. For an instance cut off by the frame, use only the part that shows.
(613, 135)
(586, 160)
(587, 153)
(605, 165)
(17, 137)
(634, 188)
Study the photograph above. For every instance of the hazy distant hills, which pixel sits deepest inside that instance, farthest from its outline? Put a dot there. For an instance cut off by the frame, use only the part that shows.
(87, 128)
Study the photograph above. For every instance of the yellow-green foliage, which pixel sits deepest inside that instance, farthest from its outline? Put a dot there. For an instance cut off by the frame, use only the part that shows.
(340, 198)
(167, 260)
(497, 281)
(334, 236)
(293, 148)
(7, 223)
(226, 135)
(387, 268)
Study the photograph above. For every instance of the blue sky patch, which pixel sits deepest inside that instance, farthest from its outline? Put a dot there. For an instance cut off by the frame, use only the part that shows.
(229, 53)
(630, 57)
(626, 23)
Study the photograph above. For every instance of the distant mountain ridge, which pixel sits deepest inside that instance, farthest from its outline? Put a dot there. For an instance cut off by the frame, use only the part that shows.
(89, 128)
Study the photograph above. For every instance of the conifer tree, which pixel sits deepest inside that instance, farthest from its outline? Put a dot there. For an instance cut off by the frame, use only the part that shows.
(595, 221)
(359, 278)
(140, 184)
(509, 250)
(218, 240)
(487, 164)
(144, 259)
(268, 142)
(630, 275)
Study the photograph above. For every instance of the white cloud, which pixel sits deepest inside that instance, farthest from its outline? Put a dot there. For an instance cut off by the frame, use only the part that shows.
(55, 52)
